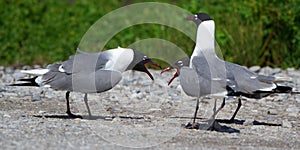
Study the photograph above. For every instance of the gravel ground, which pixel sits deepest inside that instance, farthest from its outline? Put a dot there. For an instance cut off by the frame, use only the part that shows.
(139, 113)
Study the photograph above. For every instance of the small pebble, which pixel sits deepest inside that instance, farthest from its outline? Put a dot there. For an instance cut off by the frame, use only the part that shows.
(266, 70)
(272, 112)
(1, 68)
(248, 122)
(286, 124)
(116, 119)
(275, 71)
(255, 68)
(108, 118)
(41, 112)
(6, 116)
(36, 97)
(26, 67)
(147, 83)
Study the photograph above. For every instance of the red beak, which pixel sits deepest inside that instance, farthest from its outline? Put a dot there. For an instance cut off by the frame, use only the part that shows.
(174, 76)
(152, 64)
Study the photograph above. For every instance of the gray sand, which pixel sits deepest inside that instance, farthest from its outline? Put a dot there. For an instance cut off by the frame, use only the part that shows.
(145, 114)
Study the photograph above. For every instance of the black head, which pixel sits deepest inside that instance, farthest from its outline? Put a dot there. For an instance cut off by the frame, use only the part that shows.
(178, 64)
(139, 63)
(199, 17)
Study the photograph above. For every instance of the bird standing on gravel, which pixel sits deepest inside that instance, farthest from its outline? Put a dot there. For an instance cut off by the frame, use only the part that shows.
(205, 74)
(88, 72)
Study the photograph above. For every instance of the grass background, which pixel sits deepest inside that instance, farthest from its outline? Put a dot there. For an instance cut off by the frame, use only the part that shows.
(254, 32)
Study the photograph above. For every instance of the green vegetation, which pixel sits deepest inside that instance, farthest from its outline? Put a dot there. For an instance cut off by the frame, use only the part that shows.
(256, 32)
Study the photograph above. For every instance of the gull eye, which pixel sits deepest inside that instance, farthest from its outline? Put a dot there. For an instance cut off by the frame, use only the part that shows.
(196, 17)
(180, 63)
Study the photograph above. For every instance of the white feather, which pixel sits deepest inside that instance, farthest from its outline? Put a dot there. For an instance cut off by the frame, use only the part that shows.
(216, 79)
(282, 79)
(39, 81)
(219, 95)
(205, 43)
(61, 69)
(37, 72)
(119, 59)
(269, 88)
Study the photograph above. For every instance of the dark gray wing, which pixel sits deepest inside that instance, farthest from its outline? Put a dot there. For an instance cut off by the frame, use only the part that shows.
(247, 81)
(194, 84)
(92, 82)
(85, 62)
(99, 81)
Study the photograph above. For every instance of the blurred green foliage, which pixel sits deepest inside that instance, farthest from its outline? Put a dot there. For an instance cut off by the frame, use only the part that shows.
(254, 32)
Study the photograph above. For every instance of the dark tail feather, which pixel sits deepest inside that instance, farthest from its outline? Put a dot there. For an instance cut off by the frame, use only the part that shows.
(27, 82)
(295, 92)
(283, 89)
(278, 89)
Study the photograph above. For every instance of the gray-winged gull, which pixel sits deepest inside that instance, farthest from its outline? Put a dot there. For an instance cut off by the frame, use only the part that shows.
(88, 72)
(204, 74)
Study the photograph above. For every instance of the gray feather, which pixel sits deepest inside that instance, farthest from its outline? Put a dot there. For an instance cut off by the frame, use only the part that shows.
(244, 81)
(85, 62)
(99, 81)
(196, 85)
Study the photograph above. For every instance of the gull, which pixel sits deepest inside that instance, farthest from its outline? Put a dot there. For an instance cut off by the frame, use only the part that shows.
(88, 72)
(205, 74)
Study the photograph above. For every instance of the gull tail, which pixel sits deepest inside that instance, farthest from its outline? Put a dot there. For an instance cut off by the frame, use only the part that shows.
(26, 82)
(285, 89)
(295, 92)
(282, 79)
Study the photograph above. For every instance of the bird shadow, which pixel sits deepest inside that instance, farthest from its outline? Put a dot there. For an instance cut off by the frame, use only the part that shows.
(215, 126)
(241, 122)
(88, 117)
(212, 125)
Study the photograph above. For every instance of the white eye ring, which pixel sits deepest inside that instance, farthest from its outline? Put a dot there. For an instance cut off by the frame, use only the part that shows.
(180, 63)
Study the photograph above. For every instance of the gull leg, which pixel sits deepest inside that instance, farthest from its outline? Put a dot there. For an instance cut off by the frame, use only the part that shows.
(237, 109)
(196, 111)
(87, 105)
(68, 107)
(221, 107)
(215, 112)
(193, 126)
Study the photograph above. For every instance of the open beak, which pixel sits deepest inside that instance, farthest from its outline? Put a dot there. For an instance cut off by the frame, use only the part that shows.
(174, 76)
(149, 74)
(152, 64)
(166, 69)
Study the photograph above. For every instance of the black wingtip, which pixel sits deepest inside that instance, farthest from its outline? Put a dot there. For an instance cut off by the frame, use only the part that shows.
(28, 82)
(295, 92)
(283, 89)
(23, 84)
